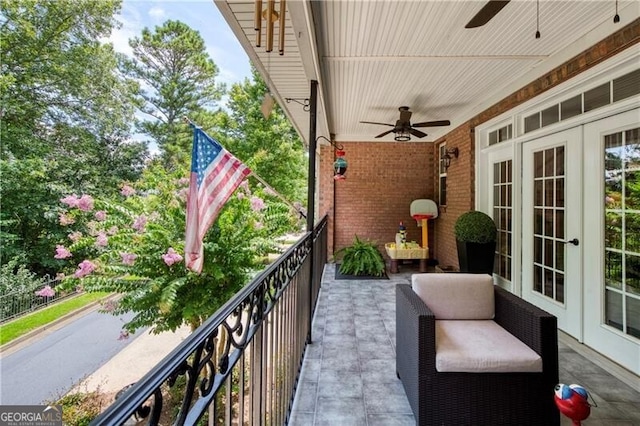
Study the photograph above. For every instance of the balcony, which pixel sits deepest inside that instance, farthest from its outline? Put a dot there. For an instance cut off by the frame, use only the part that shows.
(348, 375)
(252, 362)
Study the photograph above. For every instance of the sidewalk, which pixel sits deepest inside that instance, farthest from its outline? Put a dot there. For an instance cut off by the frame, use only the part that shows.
(133, 362)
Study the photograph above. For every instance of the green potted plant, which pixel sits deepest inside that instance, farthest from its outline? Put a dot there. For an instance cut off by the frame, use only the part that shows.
(476, 241)
(361, 258)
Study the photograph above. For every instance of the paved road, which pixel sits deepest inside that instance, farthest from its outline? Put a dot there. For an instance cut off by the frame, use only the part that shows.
(50, 366)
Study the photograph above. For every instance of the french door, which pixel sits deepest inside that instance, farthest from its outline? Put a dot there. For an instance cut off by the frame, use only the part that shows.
(612, 243)
(551, 227)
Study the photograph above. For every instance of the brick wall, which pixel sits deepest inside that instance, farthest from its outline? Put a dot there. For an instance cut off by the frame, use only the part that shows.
(460, 194)
(383, 177)
(382, 180)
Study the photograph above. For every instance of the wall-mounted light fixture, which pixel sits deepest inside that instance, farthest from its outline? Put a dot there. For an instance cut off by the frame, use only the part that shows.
(448, 155)
(340, 165)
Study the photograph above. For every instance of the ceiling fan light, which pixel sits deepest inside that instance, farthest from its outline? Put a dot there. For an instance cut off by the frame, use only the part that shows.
(402, 136)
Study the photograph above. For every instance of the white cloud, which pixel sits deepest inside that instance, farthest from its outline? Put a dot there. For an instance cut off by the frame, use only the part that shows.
(157, 13)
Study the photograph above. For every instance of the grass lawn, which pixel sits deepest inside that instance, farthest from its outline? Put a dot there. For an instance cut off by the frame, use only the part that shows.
(16, 328)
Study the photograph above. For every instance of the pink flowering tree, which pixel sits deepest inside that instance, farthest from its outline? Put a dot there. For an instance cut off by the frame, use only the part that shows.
(134, 245)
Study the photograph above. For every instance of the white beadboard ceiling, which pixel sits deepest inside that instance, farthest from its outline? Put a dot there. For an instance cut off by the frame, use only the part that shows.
(371, 57)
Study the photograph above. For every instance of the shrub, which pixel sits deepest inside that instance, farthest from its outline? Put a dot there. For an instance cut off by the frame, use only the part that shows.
(79, 409)
(475, 227)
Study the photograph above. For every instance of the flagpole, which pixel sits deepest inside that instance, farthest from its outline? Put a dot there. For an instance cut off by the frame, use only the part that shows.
(287, 202)
(262, 181)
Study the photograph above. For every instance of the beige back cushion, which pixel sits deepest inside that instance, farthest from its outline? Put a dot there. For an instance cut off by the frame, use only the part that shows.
(456, 296)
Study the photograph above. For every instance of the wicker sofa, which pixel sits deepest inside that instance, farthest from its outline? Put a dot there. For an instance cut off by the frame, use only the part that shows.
(474, 397)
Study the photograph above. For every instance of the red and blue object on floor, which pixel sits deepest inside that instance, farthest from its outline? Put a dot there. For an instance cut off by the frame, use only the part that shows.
(573, 402)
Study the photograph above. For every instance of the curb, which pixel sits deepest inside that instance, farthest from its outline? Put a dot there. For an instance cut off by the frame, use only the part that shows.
(18, 342)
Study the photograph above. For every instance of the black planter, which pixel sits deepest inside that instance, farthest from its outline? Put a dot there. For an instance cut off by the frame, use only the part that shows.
(476, 258)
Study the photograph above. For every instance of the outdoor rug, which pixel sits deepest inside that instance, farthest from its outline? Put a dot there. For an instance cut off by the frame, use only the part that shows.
(340, 276)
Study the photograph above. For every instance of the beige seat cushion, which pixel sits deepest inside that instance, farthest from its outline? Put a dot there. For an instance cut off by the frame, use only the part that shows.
(456, 296)
(481, 347)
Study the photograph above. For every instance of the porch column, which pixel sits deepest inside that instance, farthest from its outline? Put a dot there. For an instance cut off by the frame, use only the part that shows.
(311, 192)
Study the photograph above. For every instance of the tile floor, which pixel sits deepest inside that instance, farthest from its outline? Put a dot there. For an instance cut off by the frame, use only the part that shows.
(349, 378)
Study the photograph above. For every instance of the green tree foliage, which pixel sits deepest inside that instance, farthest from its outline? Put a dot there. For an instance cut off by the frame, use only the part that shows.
(270, 147)
(177, 79)
(64, 120)
(134, 245)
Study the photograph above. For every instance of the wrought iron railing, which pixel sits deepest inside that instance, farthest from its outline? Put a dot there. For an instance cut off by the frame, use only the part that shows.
(20, 302)
(242, 365)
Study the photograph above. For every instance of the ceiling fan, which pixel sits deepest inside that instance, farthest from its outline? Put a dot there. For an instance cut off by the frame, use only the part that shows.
(403, 128)
(487, 12)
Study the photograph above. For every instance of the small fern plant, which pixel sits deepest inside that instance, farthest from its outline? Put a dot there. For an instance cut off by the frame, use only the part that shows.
(361, 258)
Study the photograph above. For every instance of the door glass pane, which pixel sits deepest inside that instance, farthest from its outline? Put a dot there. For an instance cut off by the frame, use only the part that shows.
(597, 97)
(549, 221)
(632, 232)
(549, 165)
(560, 224)
(537, 249)
(613, 230)
(503, 187)
(633, 316)
(613, 269)
(538, 164)
(613, 313)
(537, 279)
(560, 246)
(571, 107)
(632, 274)
(621, 158)
(560, 287)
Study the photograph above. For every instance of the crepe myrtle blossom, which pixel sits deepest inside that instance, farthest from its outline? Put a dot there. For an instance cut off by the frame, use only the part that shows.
(245, 186)
(140, 223)
(127, 190)
(75, 236)
(101, 240)
(101, 215)
(171, 257)
(113, 230)
(240, 195)
(270, 191)
(62, 252)
(183, 181)
(183, 194)
(109, 306)
(129, 258)
(85, 203)
(46, 291)
(257, 204)
(70, 200)
(84, 268)
(258, 226)
(124, 335)
(65, 219)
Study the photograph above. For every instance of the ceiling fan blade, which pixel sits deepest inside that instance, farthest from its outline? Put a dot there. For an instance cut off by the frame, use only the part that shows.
(417, 133)
(436, 123)
(382, 124)
(487, 12)
(385, 133)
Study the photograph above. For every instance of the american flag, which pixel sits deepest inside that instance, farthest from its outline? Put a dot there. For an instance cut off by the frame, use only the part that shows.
(215, 174)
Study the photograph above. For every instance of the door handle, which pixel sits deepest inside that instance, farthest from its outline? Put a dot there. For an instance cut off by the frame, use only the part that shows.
(575, 242)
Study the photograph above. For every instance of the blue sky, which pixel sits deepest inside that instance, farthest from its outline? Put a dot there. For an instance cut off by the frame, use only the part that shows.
(201, 15)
